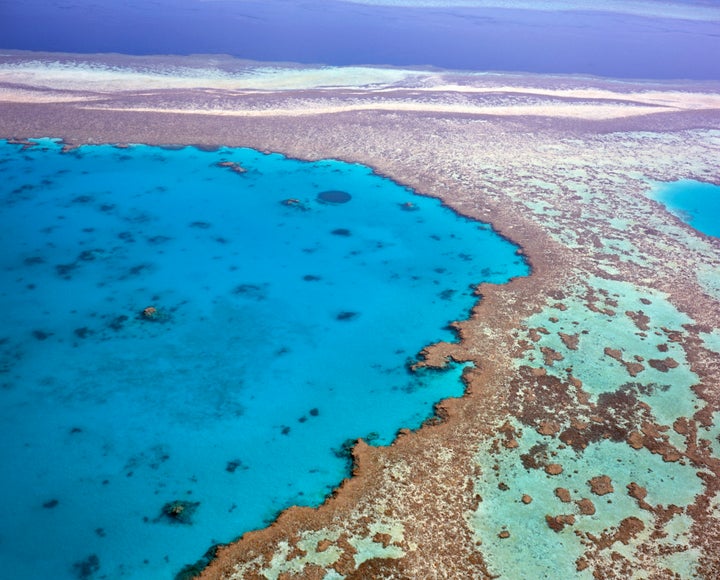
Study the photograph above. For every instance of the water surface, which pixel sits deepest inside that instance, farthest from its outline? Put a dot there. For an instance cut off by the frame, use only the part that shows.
(694, 202)
(207, 329)
(332, 32)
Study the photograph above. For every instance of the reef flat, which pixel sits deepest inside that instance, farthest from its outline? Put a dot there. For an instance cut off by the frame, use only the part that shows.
(587, 443)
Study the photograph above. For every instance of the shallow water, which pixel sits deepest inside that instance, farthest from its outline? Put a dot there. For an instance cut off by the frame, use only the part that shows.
(283, 324)
(694, 202)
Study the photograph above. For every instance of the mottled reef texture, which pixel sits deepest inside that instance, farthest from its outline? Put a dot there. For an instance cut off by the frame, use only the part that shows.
(587, 444)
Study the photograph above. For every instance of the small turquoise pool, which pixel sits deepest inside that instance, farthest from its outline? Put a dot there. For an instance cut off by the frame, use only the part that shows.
(694, 202)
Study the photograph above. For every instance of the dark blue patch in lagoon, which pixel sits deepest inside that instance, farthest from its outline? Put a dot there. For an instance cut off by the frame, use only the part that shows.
(116, 415)
(694, 202)
(334, 196)
(337, 33)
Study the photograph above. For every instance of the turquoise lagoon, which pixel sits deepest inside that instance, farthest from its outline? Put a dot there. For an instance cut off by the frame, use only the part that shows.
(286, 318)
(694, 202)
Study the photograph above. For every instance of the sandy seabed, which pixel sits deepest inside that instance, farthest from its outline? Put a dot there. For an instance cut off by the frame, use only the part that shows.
(608, 354)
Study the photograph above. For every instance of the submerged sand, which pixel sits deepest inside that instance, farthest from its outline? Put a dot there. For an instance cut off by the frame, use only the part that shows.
(587, 442)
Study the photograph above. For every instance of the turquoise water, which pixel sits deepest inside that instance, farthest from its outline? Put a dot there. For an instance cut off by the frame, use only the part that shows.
(696, 203)
(283, 324)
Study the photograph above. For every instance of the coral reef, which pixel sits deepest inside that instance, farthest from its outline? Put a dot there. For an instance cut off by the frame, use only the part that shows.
(586, 445)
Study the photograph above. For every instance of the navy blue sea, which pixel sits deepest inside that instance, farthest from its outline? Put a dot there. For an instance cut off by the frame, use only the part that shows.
(696, 203)
(342, 33)
(190, 337)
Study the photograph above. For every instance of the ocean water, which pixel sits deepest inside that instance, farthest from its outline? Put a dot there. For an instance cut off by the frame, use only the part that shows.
(286, 300)
(605, 43)
(694, 202)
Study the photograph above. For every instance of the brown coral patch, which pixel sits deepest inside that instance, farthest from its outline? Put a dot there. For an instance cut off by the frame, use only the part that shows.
(614, 353)
(578, 424)
(345, 564)
(629, 528)
(636, 440)
(384, 539)
(553, 469)
(601, 485)
(681, 426)
(544, 403)
(639, 493)
(534, 335)
(379, 568)
(571, 341)
(550, 355)
(586, 506)
(548, 428)
(663, 365)
(558, 523)
(509, 433)
(640, 319)
(536, 456)
(634, 368)
(323, 545)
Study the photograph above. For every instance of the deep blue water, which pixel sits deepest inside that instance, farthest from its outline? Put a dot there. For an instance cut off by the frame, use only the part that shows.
(696, 203)
(282, 329)
(339, 33)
